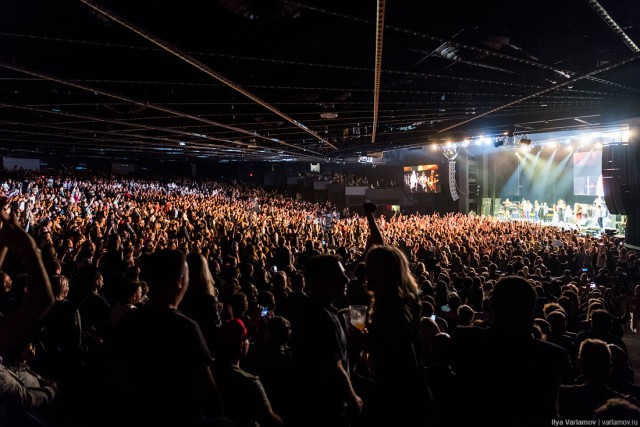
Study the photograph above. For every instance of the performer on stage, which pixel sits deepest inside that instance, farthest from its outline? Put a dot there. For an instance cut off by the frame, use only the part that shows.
(423, 181)
(536, 211)
(578, 210)
(601, 212)
(578, 214)
(568, 214)
(560, 207)
(432, 181)
(526, 208)
(413, 181)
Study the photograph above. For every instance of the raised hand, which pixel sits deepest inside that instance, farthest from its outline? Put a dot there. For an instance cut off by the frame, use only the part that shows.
(18, 327)
(12, 235)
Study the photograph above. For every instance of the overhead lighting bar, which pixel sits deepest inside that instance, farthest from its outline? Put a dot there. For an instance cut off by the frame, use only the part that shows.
(613, 25)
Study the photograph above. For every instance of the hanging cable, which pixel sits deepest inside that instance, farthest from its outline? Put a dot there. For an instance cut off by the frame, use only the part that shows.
(378, 67)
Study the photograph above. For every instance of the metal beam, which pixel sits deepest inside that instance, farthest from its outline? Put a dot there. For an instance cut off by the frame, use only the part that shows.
(203, 67)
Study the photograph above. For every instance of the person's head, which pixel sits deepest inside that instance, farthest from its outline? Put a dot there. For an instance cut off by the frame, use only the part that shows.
(266, 299)
(279, 281)
(232, 341)
(59, 286)
(132, 273)
(388, 275)
(620, 368)
(297, 282)
(132, 292)
(325, 277)
(442, 352)
(278, 331)
(6, 282)
(550, 307)
(465, 315)
(557, 321)
(214, 266)
(544, 326)
(512, 303)
(594, 360)
(600, 320)
(167, 276)
(53, 266)
(454, 301)
(308, 245)
(229, 288)
(426, 308)
(88, 250)
(239, 303)
(617, 409)
(246, 269)
(360, 271)
(114, 242)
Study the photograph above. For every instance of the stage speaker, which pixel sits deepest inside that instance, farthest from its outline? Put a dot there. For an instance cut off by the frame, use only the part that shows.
(497, 206)
(615, 167)
(632, 230)
(486, 206)
(610, 231)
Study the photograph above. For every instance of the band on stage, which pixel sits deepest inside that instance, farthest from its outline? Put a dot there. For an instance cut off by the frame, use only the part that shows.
(594, 215)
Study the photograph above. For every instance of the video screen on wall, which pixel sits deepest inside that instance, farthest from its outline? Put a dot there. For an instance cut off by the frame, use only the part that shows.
(587, 173)
(422, 179)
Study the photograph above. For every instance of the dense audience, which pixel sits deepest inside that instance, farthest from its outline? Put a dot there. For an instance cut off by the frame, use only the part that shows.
(351, 180)
(205, 303)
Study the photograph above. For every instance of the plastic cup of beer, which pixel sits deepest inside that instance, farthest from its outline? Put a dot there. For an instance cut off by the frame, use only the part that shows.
(346, 317)
(358, 315)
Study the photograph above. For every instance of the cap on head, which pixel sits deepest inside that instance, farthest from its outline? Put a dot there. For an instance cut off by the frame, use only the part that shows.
(232, 331)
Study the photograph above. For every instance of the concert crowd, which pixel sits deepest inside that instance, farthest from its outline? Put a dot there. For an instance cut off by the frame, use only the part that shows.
(202, 303)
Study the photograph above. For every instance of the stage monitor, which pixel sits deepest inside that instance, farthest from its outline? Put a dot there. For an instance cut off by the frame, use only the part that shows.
(422, 178)
(587, 173)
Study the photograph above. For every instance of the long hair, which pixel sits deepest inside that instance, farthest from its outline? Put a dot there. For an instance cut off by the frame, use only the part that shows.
(388, 275)
(200, 279)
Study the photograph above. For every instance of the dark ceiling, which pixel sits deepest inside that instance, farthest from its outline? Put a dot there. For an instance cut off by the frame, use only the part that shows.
(266, 80)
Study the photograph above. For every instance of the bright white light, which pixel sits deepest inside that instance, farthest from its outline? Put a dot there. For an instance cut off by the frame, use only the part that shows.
(486, 141)
(182, 143)
(434, 147)
(626, 134)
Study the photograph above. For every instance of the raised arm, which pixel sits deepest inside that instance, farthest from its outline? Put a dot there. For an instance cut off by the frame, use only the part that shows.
(375, 237)
(17, 327)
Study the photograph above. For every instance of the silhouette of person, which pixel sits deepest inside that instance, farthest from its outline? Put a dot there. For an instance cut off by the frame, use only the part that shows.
(161, 355)
(324, 392)
(524, 372)
(581, 400)
(401, 396)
